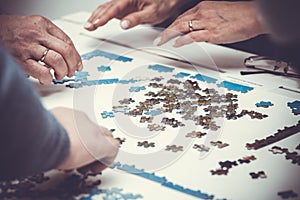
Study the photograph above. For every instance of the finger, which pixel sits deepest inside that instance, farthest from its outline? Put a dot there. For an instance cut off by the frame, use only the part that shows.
(182, 26)
(87, 169)
(57, 62)
(111, 155)
(98, 167)
(111, 12)
(65, 50)
(195, 36)
(175, 29)
(95, 15)
(58, 33)
(38, 71)
(136, 18)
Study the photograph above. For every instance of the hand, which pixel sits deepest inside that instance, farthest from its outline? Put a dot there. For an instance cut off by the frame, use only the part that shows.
(133, 12)
(28, 38)
(89, 143)
(216, 22)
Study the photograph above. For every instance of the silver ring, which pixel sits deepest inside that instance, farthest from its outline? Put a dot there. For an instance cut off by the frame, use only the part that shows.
(44, 55)
(190, 23)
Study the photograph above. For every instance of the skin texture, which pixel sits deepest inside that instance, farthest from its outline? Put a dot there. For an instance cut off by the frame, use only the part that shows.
(28, 37)
(92, 147)
(217, 22)
(133, 12)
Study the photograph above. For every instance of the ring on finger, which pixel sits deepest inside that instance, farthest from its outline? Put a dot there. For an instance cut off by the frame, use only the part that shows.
(44, 55)
(190, 24)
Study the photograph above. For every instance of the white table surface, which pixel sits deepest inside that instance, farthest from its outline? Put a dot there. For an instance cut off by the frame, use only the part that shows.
(189, 170)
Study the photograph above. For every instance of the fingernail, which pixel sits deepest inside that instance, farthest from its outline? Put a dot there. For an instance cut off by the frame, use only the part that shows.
(125, 24)
(176, 45)
(96, 21)
(157, 41)
(87, 25)
(80, 66)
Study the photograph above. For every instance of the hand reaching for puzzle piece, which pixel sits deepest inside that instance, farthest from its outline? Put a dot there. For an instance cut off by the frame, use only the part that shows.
(91, 145)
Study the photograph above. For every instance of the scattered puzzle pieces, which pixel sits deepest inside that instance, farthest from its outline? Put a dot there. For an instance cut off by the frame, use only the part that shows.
(121, 141)
(66, 185)
(160, 68)
(260, 174)
(247, 159)
(264, 104)
(126, 101)
(174, 148)
(226, 165)
(195, 134)
(154, 112)
(146, 119)
(287, 194)
(107, 114)
(146, 144)
(201, 147)
(219, 144)
(219, 172)
(295, 106)
(137, 88)
(156, 127)
(293, 156)
(172, 122)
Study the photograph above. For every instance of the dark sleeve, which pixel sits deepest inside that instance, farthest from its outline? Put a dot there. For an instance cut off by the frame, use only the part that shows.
(282, 18)
(31, 140)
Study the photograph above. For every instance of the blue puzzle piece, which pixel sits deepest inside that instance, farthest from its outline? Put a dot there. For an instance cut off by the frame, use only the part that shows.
(62, 81)
(153, 112)
(112, 194)
(181, 75)
(295, 106)
(128, 81)
(235, 87)
(103, 68)
(264, 104)
(82, 74)
(160, 68)
(204, 78)
(162, 180)
(74, 85)
(107, 114)
(137, 88)
(111, 56)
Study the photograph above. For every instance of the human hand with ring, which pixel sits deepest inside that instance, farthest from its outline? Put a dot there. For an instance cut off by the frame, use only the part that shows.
(217, 22)
(34, 40)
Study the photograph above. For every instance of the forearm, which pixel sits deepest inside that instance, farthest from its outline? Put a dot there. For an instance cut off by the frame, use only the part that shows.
(31, 140)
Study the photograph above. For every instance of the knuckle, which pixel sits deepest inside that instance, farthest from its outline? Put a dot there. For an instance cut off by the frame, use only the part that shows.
(57, 59)
(39, 19)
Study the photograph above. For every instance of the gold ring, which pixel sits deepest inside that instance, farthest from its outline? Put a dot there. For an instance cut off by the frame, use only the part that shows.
(44, 55)
(190, 26)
